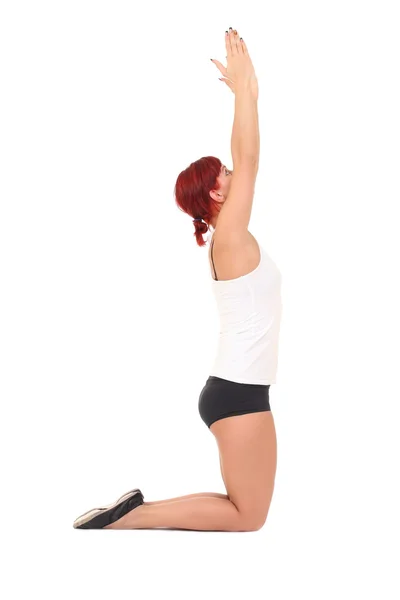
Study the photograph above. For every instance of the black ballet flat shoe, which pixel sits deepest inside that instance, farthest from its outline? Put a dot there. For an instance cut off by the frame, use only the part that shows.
(97, 518)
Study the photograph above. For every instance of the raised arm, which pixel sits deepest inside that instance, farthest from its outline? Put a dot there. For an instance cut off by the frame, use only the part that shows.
(235, 213)
(245, 142)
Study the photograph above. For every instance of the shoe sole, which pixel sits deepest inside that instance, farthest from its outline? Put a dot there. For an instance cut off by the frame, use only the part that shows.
(90, 514)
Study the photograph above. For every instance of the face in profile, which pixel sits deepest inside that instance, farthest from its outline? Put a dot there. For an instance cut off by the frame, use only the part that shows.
(224, 179)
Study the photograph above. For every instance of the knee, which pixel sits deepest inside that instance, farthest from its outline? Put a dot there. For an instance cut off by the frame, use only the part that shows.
(253, 522)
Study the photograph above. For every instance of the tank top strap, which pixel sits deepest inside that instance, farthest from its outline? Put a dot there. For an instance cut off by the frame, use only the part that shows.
(212, 244)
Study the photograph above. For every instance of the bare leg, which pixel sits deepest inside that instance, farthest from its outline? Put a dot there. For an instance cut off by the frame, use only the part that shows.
(198, 513)
(247, 445)
(200, 495)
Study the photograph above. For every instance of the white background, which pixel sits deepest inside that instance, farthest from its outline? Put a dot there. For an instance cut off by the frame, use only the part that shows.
(108, 324)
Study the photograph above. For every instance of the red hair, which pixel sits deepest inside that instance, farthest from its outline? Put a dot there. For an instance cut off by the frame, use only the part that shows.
(192, 193)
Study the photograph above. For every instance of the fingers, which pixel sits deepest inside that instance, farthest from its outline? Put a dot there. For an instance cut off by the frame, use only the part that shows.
(228, 83)
(228, 42)
(234, 44)
(219, 66)
(234, 39)
(231, 42)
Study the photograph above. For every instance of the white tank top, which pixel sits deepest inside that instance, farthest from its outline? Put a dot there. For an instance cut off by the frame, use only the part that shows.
(250, 310)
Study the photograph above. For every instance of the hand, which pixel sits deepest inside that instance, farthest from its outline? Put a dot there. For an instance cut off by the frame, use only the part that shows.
(239, 65)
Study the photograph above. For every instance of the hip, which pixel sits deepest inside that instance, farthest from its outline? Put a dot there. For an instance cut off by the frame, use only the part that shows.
(222, 398)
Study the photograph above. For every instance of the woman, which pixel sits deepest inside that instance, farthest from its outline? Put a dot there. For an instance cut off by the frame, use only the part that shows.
(234, 402)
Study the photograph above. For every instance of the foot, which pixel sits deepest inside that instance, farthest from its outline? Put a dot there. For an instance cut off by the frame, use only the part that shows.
(99, 518)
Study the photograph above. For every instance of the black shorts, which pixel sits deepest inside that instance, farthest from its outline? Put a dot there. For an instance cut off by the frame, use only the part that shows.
(222, 398)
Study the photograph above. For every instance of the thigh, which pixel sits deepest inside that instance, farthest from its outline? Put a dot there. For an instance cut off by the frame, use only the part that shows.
(248, 454)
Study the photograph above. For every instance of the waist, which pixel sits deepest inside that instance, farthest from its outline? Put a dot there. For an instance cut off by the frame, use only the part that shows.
(215, 381)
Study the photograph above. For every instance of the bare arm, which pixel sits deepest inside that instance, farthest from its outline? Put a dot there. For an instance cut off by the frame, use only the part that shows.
(234, 216)
(240, 77)
(245, 141)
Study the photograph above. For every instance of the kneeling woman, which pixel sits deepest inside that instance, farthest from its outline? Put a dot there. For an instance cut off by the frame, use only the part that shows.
(234, 402)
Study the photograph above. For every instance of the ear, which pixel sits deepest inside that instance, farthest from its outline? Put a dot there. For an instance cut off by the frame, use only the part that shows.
(216, 196)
